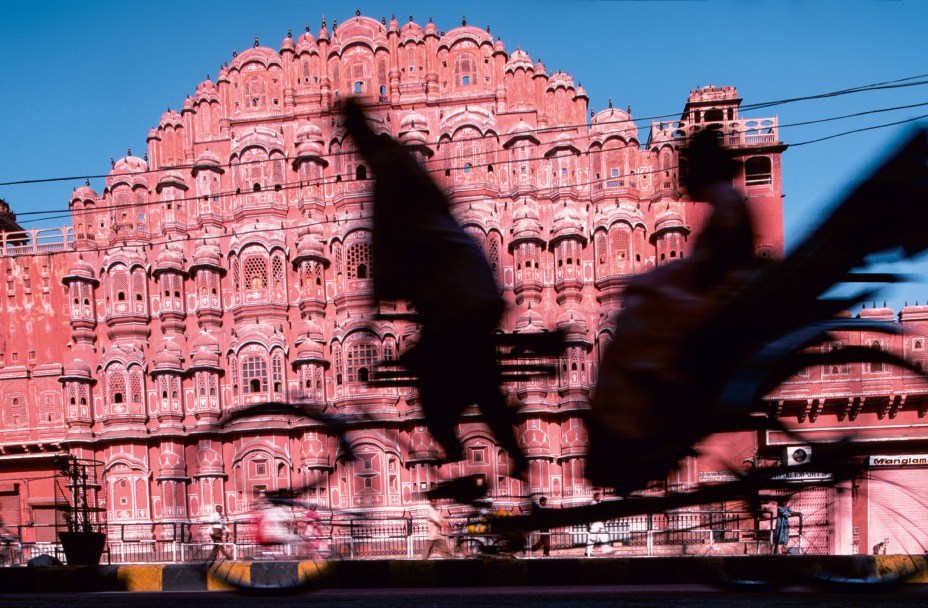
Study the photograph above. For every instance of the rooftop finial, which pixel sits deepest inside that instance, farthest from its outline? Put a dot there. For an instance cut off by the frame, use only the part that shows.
(383, 20)
(112, 162)
(357, 12)
(334, 25)
(307, 28)
(87, 181)
(234, 54)
(128, 151)
(410, 17)
(610, 104)
(488, 28)
(464, 20)
(289, 33)
(628, 110)
(256, 41)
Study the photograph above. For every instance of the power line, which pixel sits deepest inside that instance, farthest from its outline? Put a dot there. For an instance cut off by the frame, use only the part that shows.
(900, 83)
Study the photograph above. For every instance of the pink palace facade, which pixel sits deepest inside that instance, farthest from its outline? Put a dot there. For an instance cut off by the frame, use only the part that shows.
(230, 265)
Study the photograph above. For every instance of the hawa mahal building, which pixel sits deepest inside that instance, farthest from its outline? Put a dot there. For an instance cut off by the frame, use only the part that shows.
(230, 266)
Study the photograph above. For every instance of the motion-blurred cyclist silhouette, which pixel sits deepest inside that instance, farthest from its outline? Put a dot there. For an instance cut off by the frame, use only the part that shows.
(687, 330)
(422, 255)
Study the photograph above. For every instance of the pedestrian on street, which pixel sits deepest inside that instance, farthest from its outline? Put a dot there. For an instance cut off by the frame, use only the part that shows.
(438, 530)
(218, 533)
(544, 534)
(596, 532)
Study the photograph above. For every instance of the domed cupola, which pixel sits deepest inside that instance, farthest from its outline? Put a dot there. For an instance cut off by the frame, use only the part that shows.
(128, 169)
(310, 145)
(613, 122)
(568, 222)
(394, 26)
(207, 255)
(309, 245)
(519, 60)
(76, 370)
(170, 259)
(430, 29)
(525, 222)
(540, 69)
(414, 132)
(530, 321)
(205, 352)
(499, 47)
(80, 270)
(411, 32)
(574, 325)
(310, 343)
(207, 160)
(287, 44)
(84, 194)
(170, 179)
(323, 32)
(206, 91)
(168, 359)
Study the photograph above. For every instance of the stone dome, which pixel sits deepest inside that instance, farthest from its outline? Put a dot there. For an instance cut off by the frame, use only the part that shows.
(287, 44)
(208, 255)
(306, 42)
(84, 193)
(519, 59)
(172, 179)
(167, 359)
(81, 268)
(169, 258)
(430, 29)
(540, 69)
(525, 222)
(560, 79)
(567, 221)
(129, 164)
(612, 121)
(77, 368)
(573, 323)
(411, 31)
(530, 321)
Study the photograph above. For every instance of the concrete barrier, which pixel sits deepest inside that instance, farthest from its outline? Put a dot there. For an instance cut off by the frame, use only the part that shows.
(780, 569)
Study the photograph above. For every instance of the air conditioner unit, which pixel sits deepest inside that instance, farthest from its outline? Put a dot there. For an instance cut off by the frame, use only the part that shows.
(796, 455)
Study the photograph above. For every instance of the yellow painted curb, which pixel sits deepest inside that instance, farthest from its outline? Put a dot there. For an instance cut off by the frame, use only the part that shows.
(313, 571)
(219, 574)
(140, 578)
(909, 568)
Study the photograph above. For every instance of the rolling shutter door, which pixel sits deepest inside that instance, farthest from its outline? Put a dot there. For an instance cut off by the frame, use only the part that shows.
(898, 510)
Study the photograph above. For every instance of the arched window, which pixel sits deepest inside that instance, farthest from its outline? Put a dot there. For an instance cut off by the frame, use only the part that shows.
(254, 270)
(876, 366)
(359, 260)
(465, 70)
(254, 374)
(361, 357)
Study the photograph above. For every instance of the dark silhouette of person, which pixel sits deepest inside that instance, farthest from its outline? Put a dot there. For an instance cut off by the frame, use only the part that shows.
(689, 329)
(645, 409)
(422, 255)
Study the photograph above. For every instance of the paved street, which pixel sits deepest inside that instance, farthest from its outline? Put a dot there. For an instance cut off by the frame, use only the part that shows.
(534, 597)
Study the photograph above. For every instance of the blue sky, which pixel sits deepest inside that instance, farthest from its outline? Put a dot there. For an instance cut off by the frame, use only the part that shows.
(84, 81)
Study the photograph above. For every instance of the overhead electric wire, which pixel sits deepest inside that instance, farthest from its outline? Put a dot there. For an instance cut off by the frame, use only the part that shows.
(899, 83)
(326, 181)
